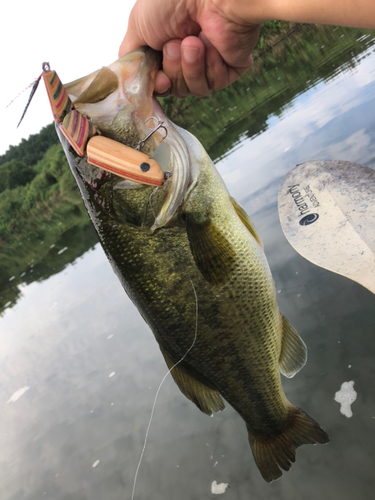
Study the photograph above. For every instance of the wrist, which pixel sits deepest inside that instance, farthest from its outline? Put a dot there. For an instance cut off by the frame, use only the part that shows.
(244, 12)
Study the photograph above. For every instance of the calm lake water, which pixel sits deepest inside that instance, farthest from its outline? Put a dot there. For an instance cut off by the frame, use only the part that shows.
(80, 368)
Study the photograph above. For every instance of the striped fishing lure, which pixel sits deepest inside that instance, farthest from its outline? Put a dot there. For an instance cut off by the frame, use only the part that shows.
(105, 153)
(76, 127)
(78, 130)
(58, 97)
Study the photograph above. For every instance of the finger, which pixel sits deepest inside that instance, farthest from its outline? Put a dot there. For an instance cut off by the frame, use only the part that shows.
(237, 46)
(193, 66)
(218, 73)
(133, 39)
(162, 84)
(172, 67)
(130, 43)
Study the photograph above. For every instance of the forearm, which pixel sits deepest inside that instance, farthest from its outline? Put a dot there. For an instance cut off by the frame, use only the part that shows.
(359, 13)
(207, 44)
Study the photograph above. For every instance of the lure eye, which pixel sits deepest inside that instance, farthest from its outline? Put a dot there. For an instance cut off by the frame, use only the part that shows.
(145, 167)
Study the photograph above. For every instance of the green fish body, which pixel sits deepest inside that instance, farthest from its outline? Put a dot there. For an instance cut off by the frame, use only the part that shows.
(192, 262)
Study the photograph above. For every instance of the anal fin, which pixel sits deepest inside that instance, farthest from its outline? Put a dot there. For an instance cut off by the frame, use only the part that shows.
(293, 353)
(205, 398)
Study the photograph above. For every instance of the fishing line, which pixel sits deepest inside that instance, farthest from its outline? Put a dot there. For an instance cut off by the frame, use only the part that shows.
(161, 383)
(22, 91)
(150, 201)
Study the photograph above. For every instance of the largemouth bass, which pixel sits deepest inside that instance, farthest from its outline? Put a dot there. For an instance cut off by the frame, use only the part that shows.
(161, 239)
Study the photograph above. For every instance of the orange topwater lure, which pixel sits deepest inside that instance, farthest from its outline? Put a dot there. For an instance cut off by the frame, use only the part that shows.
(123, 161)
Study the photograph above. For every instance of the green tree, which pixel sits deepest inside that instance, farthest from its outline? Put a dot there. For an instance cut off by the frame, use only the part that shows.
(15, 173)
(31, 150)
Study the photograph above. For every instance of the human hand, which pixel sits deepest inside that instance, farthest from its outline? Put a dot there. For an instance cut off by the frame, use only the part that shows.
(204, 48)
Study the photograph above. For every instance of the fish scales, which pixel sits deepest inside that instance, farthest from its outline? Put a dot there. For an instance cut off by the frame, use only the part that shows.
(154, 264)
(190, 230)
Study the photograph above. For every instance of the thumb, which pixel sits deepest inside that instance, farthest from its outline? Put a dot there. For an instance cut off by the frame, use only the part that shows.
(132, 39)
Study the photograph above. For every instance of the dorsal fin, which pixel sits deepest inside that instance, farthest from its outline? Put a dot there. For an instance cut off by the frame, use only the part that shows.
(293, 353)
(206, 399)
(246, 221)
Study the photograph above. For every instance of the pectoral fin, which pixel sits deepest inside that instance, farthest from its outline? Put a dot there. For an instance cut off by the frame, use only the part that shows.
(207, 400)
(246, 221)
(293, 354)
(212, 252)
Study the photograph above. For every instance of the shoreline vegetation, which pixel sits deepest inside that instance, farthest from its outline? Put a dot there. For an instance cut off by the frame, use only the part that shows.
(43, 224)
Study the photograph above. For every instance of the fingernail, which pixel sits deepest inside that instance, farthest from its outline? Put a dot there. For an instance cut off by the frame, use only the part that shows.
(190, 54)
(173, 50)
(162, 94)
(161, 91)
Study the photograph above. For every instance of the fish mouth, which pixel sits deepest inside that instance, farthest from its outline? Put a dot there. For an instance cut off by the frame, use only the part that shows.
(119, 101)
(119, 98)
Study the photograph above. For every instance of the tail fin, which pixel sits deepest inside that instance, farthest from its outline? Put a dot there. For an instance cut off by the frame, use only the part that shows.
(276, 452)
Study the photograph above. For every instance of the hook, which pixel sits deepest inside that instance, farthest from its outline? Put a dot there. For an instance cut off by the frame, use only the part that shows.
(158, 126)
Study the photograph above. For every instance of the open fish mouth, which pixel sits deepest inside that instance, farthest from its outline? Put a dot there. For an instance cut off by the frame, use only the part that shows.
(118, 102)
(119, 98)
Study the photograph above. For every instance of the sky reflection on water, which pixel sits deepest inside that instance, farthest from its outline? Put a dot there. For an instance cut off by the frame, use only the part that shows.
(67, 334)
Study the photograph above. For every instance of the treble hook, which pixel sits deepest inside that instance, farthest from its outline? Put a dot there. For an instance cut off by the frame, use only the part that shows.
(159, 125)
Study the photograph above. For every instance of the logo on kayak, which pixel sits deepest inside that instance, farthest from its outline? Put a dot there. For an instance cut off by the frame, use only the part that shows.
(309, 219)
